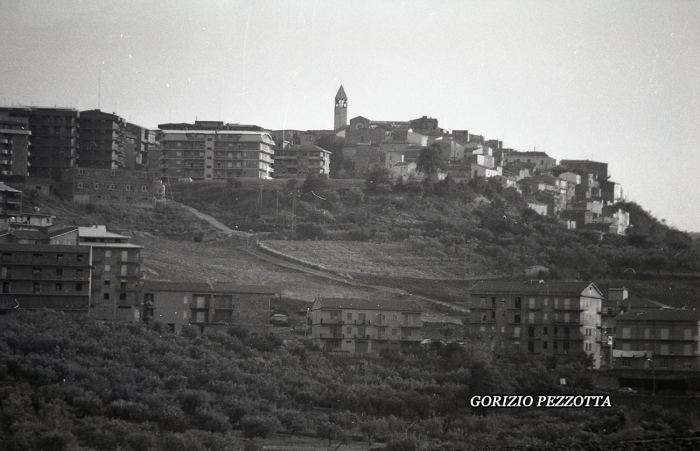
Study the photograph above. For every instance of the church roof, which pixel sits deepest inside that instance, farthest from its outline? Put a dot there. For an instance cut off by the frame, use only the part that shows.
(341, 94)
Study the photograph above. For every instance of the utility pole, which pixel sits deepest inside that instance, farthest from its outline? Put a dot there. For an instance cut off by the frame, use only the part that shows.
(294, 212)
(277, 206)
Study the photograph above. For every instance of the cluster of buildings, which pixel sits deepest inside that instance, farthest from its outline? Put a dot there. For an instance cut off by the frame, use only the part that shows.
(638, 339)
(99, 157)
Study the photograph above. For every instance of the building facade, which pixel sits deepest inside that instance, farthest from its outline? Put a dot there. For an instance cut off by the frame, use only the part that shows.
(209, 306)
(54, 138)
(10, 204)
(116, 274)
(14, 145)
(102, 140)
(663, 341)
(44, 277)
(214, 150)
(541, 160)
(552, 318)
(365, 326)
(114, 186)
(300, 161)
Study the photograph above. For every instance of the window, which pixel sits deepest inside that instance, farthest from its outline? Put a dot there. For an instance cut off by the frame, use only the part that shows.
(393, 332)
(113, 173)
(518, 302)
(516, 319)
(663, 364)
(80, 185)
(516, 332)
(531, 346)
(144, 188)
(349, 330)
(59, 287)
(108, 253)
(79, 258)
(81, 171)
(687, 365)
(128, 187)
(626, 363)
(531, 318)
(531, 303)
(112, 186)
(6, 287)
(349, 315)
(6, 258)
(105, 296)
(125, 254)
(664, 334)
(108, 282)
(108, 268)
(78, 287)
(36, 288)
(97, 186)
(544, 330)
(531, 332)
(59, 272)
(122, 296)
(483, 301)
(626, 332)
(544, 345)
(663, 349)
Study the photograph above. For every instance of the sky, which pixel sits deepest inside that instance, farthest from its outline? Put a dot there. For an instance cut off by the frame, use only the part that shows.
(613, 81)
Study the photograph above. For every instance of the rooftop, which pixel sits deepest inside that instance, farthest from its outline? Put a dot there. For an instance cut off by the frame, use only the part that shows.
(660, 315)
(98, 231)
(370, 304)
(207, 287)
(576, 288)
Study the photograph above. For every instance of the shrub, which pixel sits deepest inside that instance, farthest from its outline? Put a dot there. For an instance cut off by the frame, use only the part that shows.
(263, 426)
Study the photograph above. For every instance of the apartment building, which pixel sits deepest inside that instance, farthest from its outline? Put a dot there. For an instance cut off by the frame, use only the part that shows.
(54, 138)
(211, 150)
(598, 169)
(14, 145)
(116, 274)
(365, 326)
(10, 204)
(663, 341)
(44, 277)
(548, 318)
(102, 140)
(209, 306)
(300, 161)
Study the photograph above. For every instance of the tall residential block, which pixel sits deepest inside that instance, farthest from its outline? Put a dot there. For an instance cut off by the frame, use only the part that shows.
(211, 150)
(102, 140)
(553, 318)
(14, 145)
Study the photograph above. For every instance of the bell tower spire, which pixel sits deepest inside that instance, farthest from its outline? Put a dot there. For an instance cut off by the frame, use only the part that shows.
(341, 109)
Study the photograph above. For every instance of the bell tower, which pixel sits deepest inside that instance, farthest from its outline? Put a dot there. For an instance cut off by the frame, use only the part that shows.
(341, 109)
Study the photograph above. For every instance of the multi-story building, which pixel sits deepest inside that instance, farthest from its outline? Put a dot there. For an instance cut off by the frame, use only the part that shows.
(102, 140)
(664, 342)
(90, 185)
(552, 318)
(210, 150)
(23, 233)
(300, 161)
(14, 145)
(44, 276)
(209, 306)
(362, 326)
(10, 204)
(116, 274)
(54, 138)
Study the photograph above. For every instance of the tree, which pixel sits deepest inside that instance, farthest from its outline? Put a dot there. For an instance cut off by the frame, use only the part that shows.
(431, 160)
(377, 179)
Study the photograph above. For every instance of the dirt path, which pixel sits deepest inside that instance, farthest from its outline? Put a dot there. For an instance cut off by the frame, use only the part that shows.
(254, 251)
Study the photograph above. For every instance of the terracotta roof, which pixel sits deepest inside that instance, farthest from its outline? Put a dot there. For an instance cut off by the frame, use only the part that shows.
(660, 315)
(370, 304)
(206, 287)
(547, 288)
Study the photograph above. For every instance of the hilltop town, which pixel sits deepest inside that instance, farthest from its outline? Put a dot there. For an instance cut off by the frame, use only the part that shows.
(527, 257)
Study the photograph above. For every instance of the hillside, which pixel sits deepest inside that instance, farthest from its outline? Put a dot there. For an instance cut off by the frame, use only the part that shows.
(412, 234)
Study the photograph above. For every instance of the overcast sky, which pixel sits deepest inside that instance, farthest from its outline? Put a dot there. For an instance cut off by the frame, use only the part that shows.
(613, 81)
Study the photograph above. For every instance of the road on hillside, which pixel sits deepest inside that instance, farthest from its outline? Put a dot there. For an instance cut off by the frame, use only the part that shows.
(254, 251)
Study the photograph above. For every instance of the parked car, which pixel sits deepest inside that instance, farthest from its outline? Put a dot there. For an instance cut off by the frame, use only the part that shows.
(627, 390)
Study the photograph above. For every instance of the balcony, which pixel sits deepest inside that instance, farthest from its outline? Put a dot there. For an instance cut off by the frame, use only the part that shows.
(331, 321)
